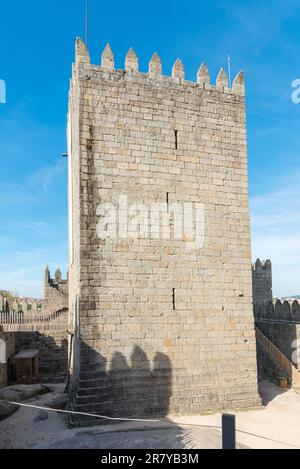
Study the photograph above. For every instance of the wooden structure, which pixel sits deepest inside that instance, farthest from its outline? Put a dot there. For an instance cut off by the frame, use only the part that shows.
(27, 366)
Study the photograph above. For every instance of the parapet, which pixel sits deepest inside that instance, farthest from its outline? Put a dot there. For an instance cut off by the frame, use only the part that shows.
(262, 265)
(278, 310)
(155, 70)
(57, 283)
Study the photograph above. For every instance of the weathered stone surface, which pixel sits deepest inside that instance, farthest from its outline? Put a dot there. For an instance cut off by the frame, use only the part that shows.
(222, 80)
(239, 83)
(155, 66)
(41, 416)
(203, 78)
(178, 70)
(22, 392)
(131, 61)
(7, 409)
(107, 58)
(57, 402)
(7, 348)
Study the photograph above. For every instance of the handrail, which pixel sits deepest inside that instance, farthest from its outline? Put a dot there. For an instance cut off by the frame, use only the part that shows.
(14, 317)
(278, 357)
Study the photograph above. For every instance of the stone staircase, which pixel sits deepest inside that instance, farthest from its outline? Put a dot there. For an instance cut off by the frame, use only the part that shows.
(118, 393)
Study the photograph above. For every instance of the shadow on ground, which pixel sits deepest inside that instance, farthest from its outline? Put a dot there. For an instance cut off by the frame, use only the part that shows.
(269, 391)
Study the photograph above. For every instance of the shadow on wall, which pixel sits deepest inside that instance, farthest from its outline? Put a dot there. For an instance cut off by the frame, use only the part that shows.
(118, 389)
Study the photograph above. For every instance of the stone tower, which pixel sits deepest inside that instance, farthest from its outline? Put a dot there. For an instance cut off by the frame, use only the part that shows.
(162, 315)
(262, 285)
(55, 292)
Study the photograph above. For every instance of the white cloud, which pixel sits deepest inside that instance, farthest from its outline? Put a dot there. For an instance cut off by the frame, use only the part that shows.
(44, 177)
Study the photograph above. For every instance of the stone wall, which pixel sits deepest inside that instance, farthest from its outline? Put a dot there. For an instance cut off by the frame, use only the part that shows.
(285, 335)
(279, 310)
(159, 327)
(278, 320)
(267, 368)
(52, 345)
(7, 352)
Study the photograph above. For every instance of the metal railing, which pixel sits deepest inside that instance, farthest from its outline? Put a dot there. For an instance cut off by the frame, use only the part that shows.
(278, 357)
(19, 317)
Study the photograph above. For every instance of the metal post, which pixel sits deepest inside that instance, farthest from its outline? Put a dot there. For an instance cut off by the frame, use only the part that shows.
(229, 69)
(86, 22)
(228, 431)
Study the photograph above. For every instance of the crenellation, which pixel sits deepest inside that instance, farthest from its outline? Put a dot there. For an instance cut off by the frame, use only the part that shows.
(222, 81)
(178, 70)
(81, 52)
(155, 66)
(107, 58)
(203, 77)
(238, 84)
(278, 310)
(107, 67)
(58, 278)
(131, 61)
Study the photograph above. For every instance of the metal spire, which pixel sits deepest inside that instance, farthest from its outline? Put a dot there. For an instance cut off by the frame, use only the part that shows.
(86, 22)
(229, 69)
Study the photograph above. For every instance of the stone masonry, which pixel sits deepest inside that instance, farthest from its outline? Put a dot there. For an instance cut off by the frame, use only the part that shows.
(55, 292)
(7, 351)
(39, 323)
(159, 327)
(278, 320)
(262, 284)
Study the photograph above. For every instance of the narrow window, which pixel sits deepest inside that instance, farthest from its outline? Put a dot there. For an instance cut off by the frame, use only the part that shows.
(176, 139)
(173, 299)
(167, 201)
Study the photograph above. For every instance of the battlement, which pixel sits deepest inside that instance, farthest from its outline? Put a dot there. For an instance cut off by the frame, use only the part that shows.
(20, 305)
(278, 310)
(259, 265)
(131, 70)
(57, 282)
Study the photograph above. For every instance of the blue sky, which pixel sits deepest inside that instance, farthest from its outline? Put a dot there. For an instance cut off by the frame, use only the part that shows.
(36, 53)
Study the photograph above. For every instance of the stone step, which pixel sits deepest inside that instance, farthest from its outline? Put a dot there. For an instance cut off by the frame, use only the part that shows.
(144, 408)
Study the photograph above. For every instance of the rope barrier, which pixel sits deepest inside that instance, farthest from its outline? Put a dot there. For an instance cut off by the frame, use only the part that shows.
(121, 419)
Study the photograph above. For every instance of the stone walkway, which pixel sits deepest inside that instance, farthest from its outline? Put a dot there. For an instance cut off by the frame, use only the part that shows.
(274, 426)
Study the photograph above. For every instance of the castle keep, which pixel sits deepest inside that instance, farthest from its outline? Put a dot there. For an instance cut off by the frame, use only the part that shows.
(162, 323)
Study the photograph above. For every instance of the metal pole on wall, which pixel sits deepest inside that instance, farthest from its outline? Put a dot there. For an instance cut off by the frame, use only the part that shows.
(229, 69)
(86, 22)
(228, 431)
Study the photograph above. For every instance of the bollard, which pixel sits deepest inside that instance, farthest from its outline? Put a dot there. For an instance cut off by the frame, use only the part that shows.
(228, 431)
